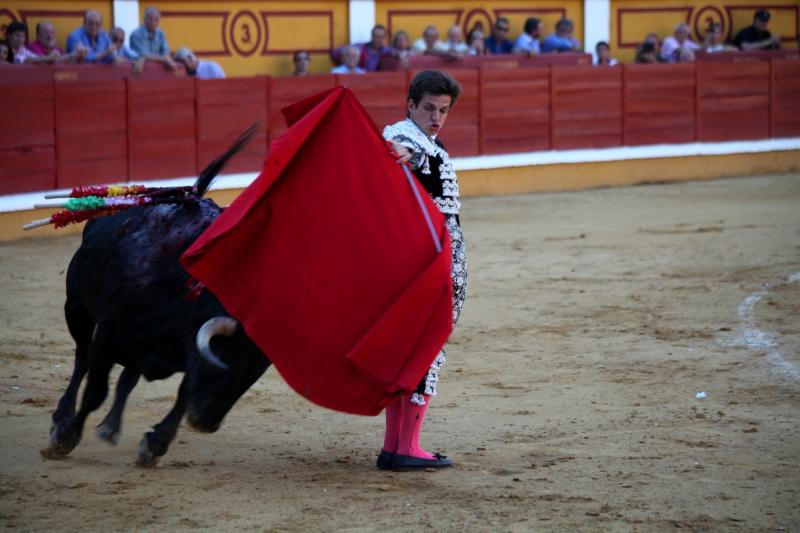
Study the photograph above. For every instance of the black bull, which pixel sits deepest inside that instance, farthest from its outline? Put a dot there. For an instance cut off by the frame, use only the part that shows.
(130, 302)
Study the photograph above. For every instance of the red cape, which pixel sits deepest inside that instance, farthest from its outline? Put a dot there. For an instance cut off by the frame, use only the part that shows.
(329, 264)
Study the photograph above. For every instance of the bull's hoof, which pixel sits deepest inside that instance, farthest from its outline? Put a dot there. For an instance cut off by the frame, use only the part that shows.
(108, 433)
(62, 442)
(146, 458)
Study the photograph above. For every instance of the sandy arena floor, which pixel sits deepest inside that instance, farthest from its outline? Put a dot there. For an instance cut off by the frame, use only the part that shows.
(568, 401)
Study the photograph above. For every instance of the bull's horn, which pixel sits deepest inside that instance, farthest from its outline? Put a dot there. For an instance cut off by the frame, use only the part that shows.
(219, 325)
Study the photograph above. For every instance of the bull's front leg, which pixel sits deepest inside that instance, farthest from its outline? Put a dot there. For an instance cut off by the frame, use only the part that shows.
(155, 443)
(110, 428)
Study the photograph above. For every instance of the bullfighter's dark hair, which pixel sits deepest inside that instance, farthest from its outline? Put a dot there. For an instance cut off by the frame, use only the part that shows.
(435, 83)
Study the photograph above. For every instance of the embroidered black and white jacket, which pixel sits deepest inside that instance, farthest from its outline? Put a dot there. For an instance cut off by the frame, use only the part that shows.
(430, 164)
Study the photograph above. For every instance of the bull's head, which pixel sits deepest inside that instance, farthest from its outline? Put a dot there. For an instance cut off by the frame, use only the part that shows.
(223, 365)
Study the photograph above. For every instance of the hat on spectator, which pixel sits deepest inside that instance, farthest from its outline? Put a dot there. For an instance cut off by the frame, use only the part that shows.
(762, 15)
(184, 53)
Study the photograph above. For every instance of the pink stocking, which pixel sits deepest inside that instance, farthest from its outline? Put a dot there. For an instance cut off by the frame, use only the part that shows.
(410, 425)
(394, 412)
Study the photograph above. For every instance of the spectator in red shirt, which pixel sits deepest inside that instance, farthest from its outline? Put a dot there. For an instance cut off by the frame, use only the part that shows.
(45, 49)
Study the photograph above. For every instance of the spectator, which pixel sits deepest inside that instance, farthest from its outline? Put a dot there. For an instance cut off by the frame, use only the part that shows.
(149, 41)
(673, 46)
(199, 68)
(476, 42)
(497, 43)
(44, 49)
(713, 40)
(647, 53)
(302, 62)
(455, 42)
(370, 53)
(17, 35)
(429, 43)
(562, 40)
(350, 57)
(528, 41)
(401, 45)
(604, 55)
(124, 54)
(91, 37)
(4, 51)
(757, 36)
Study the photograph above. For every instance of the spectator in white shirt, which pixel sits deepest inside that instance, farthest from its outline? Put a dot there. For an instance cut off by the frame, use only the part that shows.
(528, 42)
(201, 69)
(679, 47)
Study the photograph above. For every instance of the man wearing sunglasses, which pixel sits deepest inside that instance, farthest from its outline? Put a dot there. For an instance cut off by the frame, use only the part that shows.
(497, 42)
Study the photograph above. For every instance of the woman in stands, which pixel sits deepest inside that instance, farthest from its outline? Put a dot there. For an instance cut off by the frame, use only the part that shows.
(431, 96)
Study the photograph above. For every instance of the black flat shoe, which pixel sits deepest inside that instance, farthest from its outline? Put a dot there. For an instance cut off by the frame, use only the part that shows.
(385, 460)
(409, 462)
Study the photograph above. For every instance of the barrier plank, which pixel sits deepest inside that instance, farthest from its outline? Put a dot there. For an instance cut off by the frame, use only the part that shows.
(91, 133)
(785, 109)
(383, 95)
(659, 104)
(161, 129)
(586, 107)
(287, 90)
(733, 101)
(224, 109)
(461, 134)
(515, 110)
(27, 138)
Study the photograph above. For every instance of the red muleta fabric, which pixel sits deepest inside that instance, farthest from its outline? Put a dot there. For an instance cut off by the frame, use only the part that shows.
(329, 264)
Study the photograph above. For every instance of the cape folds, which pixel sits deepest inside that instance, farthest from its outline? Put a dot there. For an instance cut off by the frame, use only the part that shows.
(329, 264)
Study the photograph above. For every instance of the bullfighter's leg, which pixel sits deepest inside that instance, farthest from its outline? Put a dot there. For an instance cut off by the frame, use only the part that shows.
(155, 443)
(110, 428)
(66, 434)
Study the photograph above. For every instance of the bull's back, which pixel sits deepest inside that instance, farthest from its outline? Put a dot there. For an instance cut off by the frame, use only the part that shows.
(130, 260)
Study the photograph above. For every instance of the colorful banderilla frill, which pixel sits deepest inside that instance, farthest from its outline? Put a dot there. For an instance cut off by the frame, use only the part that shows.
(85, 203)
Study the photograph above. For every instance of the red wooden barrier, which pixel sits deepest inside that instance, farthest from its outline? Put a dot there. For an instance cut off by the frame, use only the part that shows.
(85, 72)
(285, 91)
(225, 108)
(586, 107)
(749, 55)
(515, 111)
(383, 94)
(785, 109)
(658, 102)
(733, 101)
(91, 133)
(27, 138)
(159, 148)
(461, 134)
(567, 59)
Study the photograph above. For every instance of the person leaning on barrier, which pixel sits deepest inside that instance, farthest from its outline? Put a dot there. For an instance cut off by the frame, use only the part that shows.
(123, 53)
(713, 40)
(350, 57)
(528, 42)
(455, 44)
(497, 43)
(563, 39)
(45, 50)
(429, 43)
(370, 53)
(476, 42)
(757, 36)
(677, 47)
(92, 40)
(301, 61)
(149, 41)
(199, 68)
(17, 35)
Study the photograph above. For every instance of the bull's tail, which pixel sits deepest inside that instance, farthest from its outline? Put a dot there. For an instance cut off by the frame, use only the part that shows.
(210, 172)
